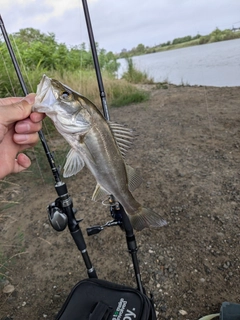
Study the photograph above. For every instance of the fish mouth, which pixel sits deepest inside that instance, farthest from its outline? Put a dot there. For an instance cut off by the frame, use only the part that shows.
(45, 95)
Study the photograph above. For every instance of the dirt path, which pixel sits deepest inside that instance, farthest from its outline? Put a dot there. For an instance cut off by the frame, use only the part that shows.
(188, 153)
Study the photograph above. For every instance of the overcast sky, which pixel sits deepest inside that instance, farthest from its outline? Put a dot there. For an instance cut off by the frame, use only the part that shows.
(121, 24)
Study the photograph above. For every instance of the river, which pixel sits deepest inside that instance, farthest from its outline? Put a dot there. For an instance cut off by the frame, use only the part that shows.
(215, 64)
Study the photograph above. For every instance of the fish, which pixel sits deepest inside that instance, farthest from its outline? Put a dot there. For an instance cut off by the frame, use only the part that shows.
(98, 144)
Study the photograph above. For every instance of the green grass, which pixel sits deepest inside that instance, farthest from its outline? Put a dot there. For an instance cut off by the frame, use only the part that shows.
(82, 81)
(132, 96)
(135, 76)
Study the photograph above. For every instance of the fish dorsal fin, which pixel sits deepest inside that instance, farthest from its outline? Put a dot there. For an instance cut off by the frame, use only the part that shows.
(74, 163)
(123, 136)
(134, 180)
(99, 193)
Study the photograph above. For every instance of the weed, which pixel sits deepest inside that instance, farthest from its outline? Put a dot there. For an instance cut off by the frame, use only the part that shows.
(184, 84)
(162, 85)
(133, 75)
(130, 95)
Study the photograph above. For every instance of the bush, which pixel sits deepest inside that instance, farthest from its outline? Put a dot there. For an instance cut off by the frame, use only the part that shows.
(135, 76)
(126, 94)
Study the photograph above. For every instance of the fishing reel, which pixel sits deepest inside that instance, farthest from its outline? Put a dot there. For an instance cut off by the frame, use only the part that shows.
(116, 213)
(56, 215)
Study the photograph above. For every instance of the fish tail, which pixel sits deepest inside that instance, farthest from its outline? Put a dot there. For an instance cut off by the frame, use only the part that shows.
(146, 218)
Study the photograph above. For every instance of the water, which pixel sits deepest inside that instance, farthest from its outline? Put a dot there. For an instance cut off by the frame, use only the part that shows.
(215, 64)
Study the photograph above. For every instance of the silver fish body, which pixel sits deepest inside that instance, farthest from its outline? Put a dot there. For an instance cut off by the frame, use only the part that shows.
(96, 143)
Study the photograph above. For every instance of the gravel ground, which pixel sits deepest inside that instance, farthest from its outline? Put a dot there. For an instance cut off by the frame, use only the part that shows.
(188, 153)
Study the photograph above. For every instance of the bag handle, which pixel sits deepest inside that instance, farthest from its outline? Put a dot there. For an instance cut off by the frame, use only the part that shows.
(102, 311)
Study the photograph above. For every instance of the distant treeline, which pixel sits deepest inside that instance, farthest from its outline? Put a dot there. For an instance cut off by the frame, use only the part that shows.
(40, 53)
(214, 36)
(37, 49)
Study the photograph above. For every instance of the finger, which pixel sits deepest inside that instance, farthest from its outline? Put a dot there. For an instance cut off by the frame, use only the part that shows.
(3, 131)
(37, 117)
(9, 100)
(27, 126)
(26, 140)
(15, 111)
(21, 163)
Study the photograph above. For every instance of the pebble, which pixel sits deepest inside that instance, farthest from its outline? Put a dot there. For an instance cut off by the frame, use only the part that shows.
(161, 258)
(226, 265)
(183, 312)
(8, 288)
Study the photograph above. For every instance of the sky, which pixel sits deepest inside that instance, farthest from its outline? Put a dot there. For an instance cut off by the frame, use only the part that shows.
(123, 24)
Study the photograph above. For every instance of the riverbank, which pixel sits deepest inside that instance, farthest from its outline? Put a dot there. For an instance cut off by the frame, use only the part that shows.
(188, 153)
(188, 41)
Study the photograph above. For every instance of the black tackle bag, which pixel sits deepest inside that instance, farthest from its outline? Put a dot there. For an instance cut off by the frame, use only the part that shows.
(95, 299)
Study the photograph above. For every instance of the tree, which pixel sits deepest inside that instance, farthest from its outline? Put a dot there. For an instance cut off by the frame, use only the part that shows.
(140, 48)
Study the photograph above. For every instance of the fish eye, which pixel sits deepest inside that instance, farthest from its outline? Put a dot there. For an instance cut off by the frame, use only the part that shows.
(65, 95)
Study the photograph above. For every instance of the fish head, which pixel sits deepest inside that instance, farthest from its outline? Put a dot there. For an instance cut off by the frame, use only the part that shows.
(63, 105)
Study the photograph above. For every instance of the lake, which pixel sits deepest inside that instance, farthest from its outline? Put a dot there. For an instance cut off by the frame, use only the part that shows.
(214, 64)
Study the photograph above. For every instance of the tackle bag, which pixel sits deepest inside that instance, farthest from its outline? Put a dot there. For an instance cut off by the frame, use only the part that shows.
(95, 299)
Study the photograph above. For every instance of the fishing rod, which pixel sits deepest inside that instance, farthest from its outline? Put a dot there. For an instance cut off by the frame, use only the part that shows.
(116, 209)
(60, 212)
(95, 60)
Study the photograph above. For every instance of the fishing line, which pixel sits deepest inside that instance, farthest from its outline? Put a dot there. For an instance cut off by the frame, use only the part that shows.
(81, 36)
(7, 72)
(22, 64)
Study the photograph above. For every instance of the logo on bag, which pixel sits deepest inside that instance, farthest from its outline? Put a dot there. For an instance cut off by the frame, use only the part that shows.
(120, 313)
(129, 315)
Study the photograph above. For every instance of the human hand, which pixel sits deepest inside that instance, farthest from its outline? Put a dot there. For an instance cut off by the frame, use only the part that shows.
(18, 131)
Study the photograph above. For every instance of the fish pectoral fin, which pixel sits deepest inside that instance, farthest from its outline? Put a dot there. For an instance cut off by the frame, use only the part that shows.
(134, 180)
(74, 163)
(99, 193)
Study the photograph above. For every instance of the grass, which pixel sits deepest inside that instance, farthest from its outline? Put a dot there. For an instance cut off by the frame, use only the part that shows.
(132, 75)
(18, 246)
(178, 46)
(118, 92)
(162, 85)
(133, 95)
(3, 266)
(82, 81)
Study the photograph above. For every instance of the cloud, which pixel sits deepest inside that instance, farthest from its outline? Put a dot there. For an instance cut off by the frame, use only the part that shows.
(121, 24)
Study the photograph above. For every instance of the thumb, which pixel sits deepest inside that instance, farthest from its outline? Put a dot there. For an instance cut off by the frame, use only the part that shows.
(13, 111)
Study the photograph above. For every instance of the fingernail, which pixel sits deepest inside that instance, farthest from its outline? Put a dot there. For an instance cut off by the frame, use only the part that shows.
(22, 127)
(30, 98)
(20, 137)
